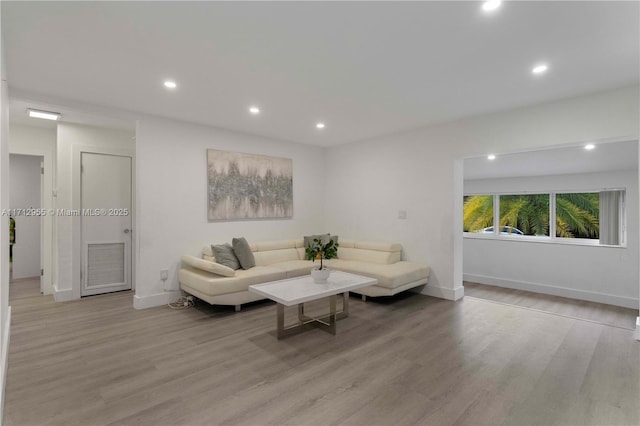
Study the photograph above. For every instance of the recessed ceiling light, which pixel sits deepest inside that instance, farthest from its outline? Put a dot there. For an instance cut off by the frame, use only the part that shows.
(320, 125)
(254, 110)
(490, 5)
(47, 115)
(589, 146)
(491, 157)
(539, 69)
(170, 84)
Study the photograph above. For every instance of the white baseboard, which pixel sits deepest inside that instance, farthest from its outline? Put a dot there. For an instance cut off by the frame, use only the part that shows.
(158, 299)
(443, 292)
(572, 293)
(637, 333)
(4, 361)
(62, 295)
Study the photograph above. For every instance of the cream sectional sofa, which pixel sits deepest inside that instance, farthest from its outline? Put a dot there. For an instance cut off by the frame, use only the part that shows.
(276, 260)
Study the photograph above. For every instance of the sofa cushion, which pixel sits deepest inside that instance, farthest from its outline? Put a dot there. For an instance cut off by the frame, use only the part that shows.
(209, 284)
(347, 243)
(296, 268)
(372, 256)
(264, 258)
(225, 256)
(302, 253)
(379, 246)
(209, 258)
(207, 251)
(389, 276)
(205, 265)
(274, 245)
(243, 252)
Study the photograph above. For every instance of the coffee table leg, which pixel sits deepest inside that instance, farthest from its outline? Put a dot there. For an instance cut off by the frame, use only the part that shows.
(327, 323)
(332, 314)
(280, 321)
(282, 331)
(345, 303)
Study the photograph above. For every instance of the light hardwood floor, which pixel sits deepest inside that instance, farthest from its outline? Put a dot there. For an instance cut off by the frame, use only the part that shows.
(409, 360)
(590, 311)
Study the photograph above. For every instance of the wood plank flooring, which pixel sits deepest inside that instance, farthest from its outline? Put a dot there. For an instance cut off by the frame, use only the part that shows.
(581, 309)
(409, 360)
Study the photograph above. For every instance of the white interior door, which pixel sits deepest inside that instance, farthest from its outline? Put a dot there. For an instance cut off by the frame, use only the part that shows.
(106, 223)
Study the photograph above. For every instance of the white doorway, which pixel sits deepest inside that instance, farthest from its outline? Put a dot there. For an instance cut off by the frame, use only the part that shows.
(26, 201)
(106, 229)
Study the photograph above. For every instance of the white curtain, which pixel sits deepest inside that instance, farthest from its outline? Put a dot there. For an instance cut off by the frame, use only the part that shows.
(610, 202)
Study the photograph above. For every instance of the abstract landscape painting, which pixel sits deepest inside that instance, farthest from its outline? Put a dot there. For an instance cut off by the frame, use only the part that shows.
(248, 186)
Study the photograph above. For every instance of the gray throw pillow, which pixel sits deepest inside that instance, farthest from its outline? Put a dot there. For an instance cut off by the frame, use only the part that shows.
(243, 253)
(309, 238)
(225, 256)
(324, 238)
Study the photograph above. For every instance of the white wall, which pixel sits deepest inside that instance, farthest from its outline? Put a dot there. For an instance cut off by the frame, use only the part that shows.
(71, 139)
(39, 141)
(600, 274)
(25, 194)
(420, 172)
(172, 214)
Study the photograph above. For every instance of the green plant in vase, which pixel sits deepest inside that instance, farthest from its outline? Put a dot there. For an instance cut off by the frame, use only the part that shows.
(317, 249)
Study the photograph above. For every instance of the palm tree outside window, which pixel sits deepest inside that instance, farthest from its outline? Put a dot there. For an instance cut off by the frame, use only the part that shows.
(596, 215)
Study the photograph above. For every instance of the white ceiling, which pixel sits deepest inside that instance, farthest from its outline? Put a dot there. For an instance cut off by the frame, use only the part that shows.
(605, 157)
(364, 68)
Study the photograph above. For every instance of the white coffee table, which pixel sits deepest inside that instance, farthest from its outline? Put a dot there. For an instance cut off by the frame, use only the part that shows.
(297, 291)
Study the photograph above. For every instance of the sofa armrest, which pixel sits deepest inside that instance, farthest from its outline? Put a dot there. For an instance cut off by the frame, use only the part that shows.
(208, 266)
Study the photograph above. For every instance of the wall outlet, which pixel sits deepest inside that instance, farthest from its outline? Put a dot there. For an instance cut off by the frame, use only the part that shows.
(164, 274)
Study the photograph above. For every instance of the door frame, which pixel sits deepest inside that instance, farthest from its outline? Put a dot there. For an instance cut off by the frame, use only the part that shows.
(47, 230)
(42, 254)
(76, 200)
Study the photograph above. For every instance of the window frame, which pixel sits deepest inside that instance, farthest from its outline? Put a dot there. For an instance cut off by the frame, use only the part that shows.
(551, 238)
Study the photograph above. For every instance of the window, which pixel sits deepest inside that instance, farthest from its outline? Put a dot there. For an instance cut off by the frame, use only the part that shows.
(528, 214)
(591, 215)
(478, 213)
(594, 217)
(577, 215)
